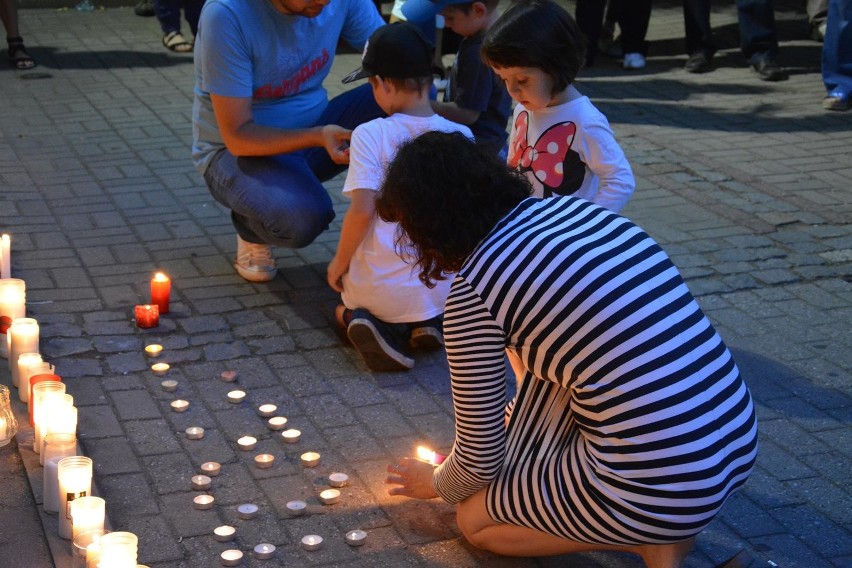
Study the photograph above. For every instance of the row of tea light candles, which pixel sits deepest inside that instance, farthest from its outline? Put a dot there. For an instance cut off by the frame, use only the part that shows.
(203, 480)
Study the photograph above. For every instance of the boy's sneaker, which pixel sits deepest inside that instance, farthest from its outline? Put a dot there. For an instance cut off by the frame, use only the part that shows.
(634, 61)
(375, 341)
(426, 335)
(254, 261)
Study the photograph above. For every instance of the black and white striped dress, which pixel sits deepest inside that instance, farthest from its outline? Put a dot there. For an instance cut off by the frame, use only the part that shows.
(632, 424)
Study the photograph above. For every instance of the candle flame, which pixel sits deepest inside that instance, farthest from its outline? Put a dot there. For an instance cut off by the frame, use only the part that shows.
(161, 277)
(430, 456)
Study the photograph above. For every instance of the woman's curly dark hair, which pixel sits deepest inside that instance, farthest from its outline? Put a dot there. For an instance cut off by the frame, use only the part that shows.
(446, 193)
(540, 34)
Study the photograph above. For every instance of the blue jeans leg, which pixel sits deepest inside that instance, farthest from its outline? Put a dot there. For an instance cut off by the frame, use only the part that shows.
(275, 200)
(757, 29)
(837, 47)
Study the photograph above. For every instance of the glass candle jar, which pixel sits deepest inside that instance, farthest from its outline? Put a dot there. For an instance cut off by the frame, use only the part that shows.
(56, 447)
(75, 481)
(8, 424)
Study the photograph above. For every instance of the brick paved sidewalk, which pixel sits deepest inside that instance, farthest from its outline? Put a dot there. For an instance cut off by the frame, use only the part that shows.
(746, 184)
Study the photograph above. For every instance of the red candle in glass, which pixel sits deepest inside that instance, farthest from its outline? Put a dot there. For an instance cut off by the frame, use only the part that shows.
(147, 315)
(37, 379)
(161, 287)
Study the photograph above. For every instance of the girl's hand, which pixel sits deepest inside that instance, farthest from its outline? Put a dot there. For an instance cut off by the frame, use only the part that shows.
(414, 478)
(335, 272)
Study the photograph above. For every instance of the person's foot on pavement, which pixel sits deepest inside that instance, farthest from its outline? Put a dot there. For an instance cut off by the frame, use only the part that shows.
(768, 69)
(836, 100)
(633, 61)
(426, 335)
(254, 261)
(699, 62)
(375, 340)
(818, 31)
(144, 8)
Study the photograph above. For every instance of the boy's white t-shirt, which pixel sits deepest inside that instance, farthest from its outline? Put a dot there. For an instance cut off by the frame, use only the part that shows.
(379, 280)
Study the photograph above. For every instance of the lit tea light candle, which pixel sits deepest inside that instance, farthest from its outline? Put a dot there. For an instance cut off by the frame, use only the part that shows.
(338, 479)
(203, 502)
(276, 423)
(247, 511)
(329, 496)
(312, 542)
(228, 376)
(356, 537)
(296, 508)
(310, 459)
(201, 482)
(236, 396)
(264, 461)
(154, 350)
(160, 369)
(194, 433)
(161, 288)
(224, 533)
(267, 410)
(169, 385)
(264, 551)
(247, 443)
(291, 435)
(147, 315)
(430, 456)
(210, 469)
(231, 557)
(179, 405)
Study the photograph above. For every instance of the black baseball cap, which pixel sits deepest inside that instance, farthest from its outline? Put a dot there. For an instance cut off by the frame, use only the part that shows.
(395, 51)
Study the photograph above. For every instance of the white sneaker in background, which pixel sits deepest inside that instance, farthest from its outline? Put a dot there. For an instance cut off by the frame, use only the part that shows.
(254, 261)
(634, 61)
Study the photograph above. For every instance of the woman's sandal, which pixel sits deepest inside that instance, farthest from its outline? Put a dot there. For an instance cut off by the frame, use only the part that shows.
(176, 42)
(18, 55)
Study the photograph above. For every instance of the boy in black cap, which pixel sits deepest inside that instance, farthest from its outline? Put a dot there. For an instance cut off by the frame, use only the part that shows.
(384, 302)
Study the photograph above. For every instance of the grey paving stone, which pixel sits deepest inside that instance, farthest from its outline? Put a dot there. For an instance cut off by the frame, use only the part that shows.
(151, 437)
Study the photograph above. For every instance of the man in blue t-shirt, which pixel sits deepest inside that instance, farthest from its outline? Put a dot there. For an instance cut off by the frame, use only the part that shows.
(265, 135)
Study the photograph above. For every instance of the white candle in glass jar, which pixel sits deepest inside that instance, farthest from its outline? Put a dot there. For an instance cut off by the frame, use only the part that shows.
(13, 296)
(51, 398)
(23, 337)
(119, 549)
(25, 360)
(5, 256)
(75, 481)
(61, 420)
(87, 514)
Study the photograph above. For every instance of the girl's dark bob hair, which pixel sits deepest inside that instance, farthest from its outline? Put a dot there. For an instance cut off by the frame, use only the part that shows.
(446, 193)
(537, 33)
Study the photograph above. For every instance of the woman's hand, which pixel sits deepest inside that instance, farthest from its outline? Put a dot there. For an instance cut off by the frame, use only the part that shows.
(414, 478)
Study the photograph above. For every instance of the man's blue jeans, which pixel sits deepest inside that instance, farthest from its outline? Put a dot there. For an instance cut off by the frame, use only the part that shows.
(280, 200)
(837, 48)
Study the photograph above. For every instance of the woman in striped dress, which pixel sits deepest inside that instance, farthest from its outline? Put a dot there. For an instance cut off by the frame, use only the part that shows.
(631, 424)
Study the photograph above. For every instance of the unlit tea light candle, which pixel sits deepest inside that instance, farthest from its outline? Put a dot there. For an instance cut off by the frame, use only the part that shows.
(312, 542)
(264, 551)
(194, 433)
(231, 557)
(310, 459)
(228, 376)
(264, 461)
(296, 508)
(267, 410)
(160, 369)
(224, 533)
(203, 502)
(236, 396)
(210, 469)
(154, 350)
(356, 537)
(247, 443)
(338, 479)
(169, 385)
(329, 496)
(201, 482)
(247, 511)
(179, 405)
(291, 435)
(276, 423)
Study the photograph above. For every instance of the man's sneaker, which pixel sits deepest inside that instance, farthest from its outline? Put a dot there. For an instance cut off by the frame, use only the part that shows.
(254, 261)
(699, 62)
(634, 61)
(426, 335)
(375, 341)
(144, 8)
(768, 69)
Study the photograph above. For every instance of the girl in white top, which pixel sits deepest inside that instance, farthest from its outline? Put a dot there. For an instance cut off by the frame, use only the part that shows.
(562, 143)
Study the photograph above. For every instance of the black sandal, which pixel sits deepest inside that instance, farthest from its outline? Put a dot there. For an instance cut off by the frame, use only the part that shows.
(18, 55)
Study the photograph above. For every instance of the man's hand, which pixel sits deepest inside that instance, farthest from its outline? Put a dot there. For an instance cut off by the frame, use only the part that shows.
(414, 478)
(336, 143)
